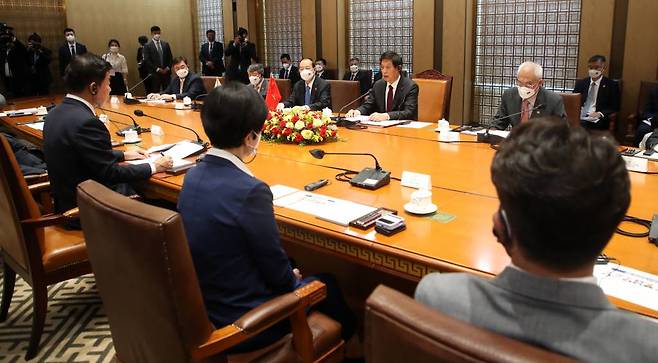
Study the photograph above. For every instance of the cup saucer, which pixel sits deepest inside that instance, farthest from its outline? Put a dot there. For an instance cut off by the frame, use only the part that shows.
(413, 209)
(134, 141)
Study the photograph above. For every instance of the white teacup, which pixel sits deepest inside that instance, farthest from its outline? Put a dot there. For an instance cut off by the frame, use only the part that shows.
(103, 118)
(444, 125)
(187, 101)
(421, 199)
(157, 130)
(128, 95)
(114, 100)
(179, 106)
(130, 136)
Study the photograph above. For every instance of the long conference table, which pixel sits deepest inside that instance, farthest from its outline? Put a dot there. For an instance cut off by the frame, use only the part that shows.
(459, 241)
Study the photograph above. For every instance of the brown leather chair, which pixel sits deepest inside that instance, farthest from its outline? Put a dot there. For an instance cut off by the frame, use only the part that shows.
(633, 119)
(32, 245)
(209, 82)
(433, 99)
(572, 107)
(398, 328)
(344, 92)
(152, 298)
(285, 88)
(434, 74)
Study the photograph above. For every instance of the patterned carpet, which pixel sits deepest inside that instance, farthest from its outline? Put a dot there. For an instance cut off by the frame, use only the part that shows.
(76, 327)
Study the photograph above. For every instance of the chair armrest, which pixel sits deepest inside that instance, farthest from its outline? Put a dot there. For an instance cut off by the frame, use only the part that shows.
(36, 178)
(39, 187)
(263, 317)
(51, 219)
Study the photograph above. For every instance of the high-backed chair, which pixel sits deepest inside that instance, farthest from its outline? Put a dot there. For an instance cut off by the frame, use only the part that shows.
(344, 92)
(285, 87)
(209, 82)
(32, 245)
(633, 119)
(433, 99)
(151, 294)
(399, 329)
(572, 107)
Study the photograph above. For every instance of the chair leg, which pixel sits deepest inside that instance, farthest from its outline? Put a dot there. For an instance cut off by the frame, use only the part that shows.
(40, 301)
(8, 291)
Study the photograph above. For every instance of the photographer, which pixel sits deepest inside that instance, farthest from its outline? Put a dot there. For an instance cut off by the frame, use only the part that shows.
(13, 60)
(242, 53)
(38, 60)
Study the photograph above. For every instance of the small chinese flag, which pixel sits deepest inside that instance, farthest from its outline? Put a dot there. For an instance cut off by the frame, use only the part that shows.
(273, 95)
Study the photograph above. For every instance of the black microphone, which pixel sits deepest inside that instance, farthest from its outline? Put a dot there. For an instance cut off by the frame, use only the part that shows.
(196, 106)
(135, 126)
(132, 101)
(340, 120)
(368, 178)
(488, 138)
(140, 113)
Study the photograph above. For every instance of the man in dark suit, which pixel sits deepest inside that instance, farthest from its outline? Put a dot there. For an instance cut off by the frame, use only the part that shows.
(356, 74)
(548, 177)
(529, 99)
(69, 50)
(242, 53)
(76, 143)
(393, 97)
(184, 84)
(599, 95)
(648, 120)
(38, 58)
(257, 80)
(13, 63)
(212, 56)
(320, 68)
(157, 59)
(288, 70)
(141, 66)
(652, 141)
(311, 92)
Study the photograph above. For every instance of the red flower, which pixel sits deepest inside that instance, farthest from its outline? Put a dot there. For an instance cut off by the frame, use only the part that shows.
(275, 130)
(323, 131)
(282, 124)
(333, 133)
(295, 118)
(309, 125)
(287, 132)
(298, 138)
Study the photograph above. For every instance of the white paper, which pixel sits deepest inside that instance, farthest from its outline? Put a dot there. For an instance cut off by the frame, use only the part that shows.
(26, 111)
(183, 149)
(279, 191)
(333, 210)
(634, 163)
(358, 118)
(415, 125)
(386, 123)
(416, 180)
(501, 133)
(157, 102)
(2, 114)
(155, 149)
(628, 284)
(36, 125)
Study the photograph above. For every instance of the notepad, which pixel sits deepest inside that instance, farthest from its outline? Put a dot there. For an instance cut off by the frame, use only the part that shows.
(333, 210)
(36, 125)
(628, 284)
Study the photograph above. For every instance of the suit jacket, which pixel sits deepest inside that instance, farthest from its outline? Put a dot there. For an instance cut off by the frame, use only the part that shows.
(192, 87)
(65, 55)
(324, 75)
(152, 59)
(263, 87)
(405, 101)
(572, 318)
(651, 108)
(233, 239)
(510, 104)
(652, 141)
(17, 59)
(293, 74)
(77, 147)
(607, 98)
(241, 58)
(364, 78)
(39, 63)
(217, 57)
(320, 95)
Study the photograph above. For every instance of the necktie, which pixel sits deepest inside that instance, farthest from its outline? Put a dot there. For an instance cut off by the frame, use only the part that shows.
(353, 76)
(209, 48)
(72, 50)
(182, 82)
(286, 76)
(590, 103)
(389, 99)
(307, 96)
(525, 111)
(159, 48)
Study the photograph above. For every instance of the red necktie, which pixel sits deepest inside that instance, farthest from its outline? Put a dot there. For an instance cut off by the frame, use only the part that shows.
(525, 108)
(389, 99)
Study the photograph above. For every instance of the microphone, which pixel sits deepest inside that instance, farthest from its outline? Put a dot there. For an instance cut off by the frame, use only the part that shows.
(488, 138)
(132, 101)
(140, 113)
(196, 106)
(341, 119)
(368, 178)
(135, 126)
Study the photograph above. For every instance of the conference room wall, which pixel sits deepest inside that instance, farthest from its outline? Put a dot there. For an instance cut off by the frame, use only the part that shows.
(96, 22)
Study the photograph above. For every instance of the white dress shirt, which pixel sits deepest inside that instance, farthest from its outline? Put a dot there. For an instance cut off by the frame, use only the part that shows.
(395, 88)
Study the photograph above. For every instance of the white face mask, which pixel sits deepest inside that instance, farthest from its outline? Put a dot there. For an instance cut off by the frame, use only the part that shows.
(254, 80)
(114, 49)
(156, 37)
(594, 73)
(246, 39)
(525, 92)
(319, 68)
(70, 38)
(286, 65)
(354, 68)
(306, 74)
(182, 73)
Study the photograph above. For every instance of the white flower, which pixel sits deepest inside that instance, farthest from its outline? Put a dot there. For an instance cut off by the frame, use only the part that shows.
(299, 125)
(317, 123)
(333, 127)
(307, 134)
(290, 125)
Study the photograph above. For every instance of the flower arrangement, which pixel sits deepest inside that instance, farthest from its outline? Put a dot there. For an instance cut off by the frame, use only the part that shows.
(299, 126)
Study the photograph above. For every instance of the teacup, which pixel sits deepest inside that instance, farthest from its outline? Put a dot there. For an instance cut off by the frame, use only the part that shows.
(421, 199)
(130, 136)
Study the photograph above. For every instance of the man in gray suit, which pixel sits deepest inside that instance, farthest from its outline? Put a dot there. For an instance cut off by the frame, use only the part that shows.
(562, 194)
(529, 99)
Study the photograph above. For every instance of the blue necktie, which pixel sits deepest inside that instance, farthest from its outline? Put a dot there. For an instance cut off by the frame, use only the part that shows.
(307, 96)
